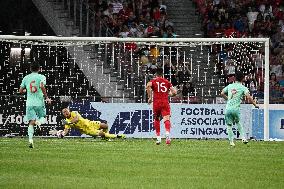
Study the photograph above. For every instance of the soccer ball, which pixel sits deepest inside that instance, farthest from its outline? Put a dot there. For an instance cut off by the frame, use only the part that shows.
(60, 134)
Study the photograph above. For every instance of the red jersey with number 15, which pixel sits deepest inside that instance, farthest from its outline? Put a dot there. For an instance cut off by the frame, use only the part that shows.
(160, 87)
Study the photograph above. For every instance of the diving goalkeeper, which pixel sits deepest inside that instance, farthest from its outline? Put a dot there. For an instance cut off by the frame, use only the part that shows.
(93, 128)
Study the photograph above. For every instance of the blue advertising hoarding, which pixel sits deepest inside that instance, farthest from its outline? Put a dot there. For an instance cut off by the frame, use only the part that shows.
(276, 122)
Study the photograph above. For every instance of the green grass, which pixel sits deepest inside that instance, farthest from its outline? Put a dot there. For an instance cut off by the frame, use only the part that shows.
(89, 163)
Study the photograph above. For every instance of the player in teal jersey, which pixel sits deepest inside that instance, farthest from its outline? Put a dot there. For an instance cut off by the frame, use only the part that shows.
(34, 85)
(234, 94)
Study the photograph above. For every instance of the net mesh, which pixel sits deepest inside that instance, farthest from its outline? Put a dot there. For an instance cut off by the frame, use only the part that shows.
(119, 71)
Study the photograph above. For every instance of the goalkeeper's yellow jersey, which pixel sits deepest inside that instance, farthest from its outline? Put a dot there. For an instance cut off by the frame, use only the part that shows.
(82, 124)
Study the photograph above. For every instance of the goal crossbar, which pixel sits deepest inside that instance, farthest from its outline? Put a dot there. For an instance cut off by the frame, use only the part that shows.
(116, 39)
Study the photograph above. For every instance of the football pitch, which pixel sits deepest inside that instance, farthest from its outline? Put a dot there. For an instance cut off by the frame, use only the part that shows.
(133, 163)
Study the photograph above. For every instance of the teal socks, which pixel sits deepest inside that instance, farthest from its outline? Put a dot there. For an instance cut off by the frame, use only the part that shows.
(230, 133)
(31, 133)
(241, 130)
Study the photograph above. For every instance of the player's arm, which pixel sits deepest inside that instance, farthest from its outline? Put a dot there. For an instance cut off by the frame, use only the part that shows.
(22, 87)
(63, 133)
(67, 125)
(22, 90)
(75, 119)
(173, 91)
(149, 91)
(251, 100)
(43, 89)
(223, 94)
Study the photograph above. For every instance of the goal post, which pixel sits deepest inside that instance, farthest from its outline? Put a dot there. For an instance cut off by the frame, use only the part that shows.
(69, 41)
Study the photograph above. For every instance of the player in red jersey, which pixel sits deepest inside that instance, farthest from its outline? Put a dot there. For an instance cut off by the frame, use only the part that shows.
(161, 88)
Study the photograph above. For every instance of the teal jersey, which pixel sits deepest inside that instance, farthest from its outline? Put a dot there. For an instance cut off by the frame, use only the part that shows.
(32, 83)
(236, 92)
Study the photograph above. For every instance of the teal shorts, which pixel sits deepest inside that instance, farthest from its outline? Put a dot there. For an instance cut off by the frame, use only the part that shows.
(232, 117)
(35, 112)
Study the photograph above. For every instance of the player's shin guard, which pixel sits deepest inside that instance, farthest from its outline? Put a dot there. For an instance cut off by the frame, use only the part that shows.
(31, 133)
(230, 133)
(168, 127)
(157, 127)
(241, 130)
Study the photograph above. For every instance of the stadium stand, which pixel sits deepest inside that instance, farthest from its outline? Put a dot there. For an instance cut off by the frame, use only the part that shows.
(241, 18)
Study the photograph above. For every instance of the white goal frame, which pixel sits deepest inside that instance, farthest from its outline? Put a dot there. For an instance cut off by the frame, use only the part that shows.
(87, 40)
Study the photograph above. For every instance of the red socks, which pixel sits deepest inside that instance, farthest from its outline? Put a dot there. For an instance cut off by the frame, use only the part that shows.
(157, 126)
(168, 126)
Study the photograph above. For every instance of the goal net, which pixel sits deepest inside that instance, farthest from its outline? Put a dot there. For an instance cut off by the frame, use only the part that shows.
(82, 71)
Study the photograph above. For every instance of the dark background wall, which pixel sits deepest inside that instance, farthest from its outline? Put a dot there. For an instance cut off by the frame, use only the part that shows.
(22, 16)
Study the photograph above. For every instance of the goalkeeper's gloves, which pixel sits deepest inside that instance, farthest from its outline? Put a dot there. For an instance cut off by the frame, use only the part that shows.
(60, 134)
(53, 132)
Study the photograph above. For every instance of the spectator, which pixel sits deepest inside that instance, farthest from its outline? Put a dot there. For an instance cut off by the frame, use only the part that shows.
(117, 6)
(188, 90)
(239, 24)
(140, 30)
(258, 25)
(156, 16)
(250, 83)
(230, 70)
(109, 11)
(170, 32)
(230, 31)
(276, 38)
(251, 15)
(267, 26)
(125, 32)
(183, 75)
(272, 79)
(276, 94)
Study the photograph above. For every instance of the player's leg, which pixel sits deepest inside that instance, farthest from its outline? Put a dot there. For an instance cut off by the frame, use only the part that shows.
(104, 127)
(166, 117)
(157, 129)
(31, 117)
(229, 122)
(105, 134)
(31, 133)
(97, 125)
(41, 112)
(156, 116)
(167, 123)
(240, 127)
(94, 128)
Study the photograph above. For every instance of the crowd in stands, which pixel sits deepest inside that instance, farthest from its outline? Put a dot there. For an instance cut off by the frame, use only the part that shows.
(248, 18)
(145, 18)
(128, 18)
(220, 18)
